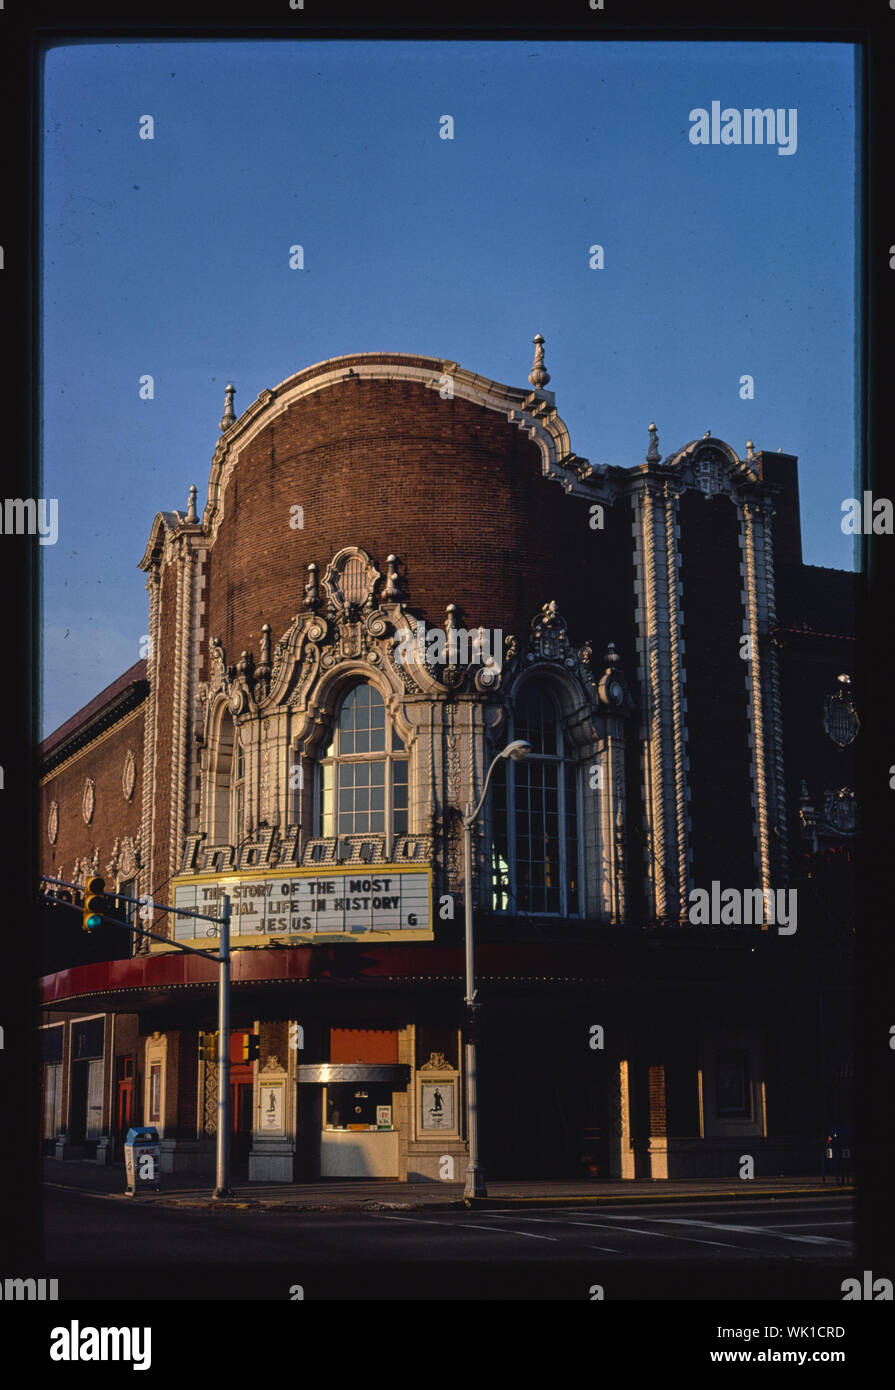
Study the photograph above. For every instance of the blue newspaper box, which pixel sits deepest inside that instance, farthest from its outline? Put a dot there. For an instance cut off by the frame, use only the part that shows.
(142, 1159)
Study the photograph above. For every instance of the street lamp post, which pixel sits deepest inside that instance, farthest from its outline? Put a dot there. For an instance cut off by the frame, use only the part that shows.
(475, 1177)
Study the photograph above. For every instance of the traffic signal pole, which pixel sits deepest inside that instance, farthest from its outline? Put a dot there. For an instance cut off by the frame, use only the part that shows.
(223, 1165)
(222, 956)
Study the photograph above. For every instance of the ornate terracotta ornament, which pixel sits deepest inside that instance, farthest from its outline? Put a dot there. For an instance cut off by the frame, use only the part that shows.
(88, 801)
(129, 774)
(841, 722)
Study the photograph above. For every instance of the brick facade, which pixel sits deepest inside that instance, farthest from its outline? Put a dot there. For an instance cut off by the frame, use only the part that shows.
(701, 752)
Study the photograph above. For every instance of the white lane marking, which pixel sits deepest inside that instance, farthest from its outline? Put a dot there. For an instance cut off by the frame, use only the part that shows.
(545, 1221)
(592, 1225)
(415, 1220)
(792, 1225)
(751, 1230)
(504, 1230)
(462, 1226)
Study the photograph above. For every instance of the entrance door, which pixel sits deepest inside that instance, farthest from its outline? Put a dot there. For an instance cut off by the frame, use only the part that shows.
(124, 1110)
(241, 1090)
(241, 1125)
(78, 1105)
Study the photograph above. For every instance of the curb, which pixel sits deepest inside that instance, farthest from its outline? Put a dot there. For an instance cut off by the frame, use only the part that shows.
(371, 1206)
(653, 1198)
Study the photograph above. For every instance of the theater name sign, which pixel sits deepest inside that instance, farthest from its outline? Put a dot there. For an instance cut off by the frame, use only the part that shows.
(311, 905)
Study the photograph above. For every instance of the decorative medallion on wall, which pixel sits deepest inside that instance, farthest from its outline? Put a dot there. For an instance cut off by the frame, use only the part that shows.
(129, 775)
(708, 472)
(840, 719)
(89, 800)
(840, 810)
(129, 857)
(349, 580)
(53, 822)
(549, 637)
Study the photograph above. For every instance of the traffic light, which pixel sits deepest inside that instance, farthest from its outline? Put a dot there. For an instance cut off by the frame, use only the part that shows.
(93, 903)
(208, 1047)
(472, 1023)
(250, 1047)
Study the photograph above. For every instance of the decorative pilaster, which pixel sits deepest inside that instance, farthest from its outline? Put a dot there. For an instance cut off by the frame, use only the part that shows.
(748, 512)
(775, 717)
(654, 709)
(183, 667)
(153, 585)
(659, 638)
(678, 725)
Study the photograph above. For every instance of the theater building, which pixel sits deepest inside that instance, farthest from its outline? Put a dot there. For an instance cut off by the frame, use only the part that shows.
(401, 567)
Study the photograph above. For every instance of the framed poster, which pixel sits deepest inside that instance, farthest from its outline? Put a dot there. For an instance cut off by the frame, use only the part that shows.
(438, 1107)
(271, 1119)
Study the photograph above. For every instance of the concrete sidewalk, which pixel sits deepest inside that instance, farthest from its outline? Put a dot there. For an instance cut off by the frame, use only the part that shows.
(190, 1190)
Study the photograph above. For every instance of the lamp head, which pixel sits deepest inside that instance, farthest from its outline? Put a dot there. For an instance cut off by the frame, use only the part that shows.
(517, 750)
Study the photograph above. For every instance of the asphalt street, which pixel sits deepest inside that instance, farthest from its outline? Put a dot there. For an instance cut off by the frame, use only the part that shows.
(84, 1234)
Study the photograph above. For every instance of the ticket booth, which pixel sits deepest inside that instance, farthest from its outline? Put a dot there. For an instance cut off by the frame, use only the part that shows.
(356, 1108)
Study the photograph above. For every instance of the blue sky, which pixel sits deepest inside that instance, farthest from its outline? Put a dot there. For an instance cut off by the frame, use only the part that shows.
(170, 257)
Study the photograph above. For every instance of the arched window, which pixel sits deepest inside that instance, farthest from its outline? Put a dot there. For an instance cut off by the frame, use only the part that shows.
(219, 784)
(363, 770)
(535, 844)
(238, 791)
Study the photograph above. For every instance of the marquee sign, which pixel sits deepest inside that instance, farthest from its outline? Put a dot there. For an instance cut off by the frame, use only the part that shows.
(311, 905)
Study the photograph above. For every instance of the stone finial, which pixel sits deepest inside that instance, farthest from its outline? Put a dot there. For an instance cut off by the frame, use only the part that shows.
(652, 453)
(191, 515)
(263, 667)
(538, 376)
(750, 449)
(311, 596)
(229, 418)
(707, 435)
(805, 795)
(393, 588)
(611, 656)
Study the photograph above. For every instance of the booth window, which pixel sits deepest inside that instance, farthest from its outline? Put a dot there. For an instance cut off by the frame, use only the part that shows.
(363, 770)
(355, 1105)
(535, 842)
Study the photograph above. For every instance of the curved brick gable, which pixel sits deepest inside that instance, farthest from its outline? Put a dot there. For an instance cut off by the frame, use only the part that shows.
(453, 488)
